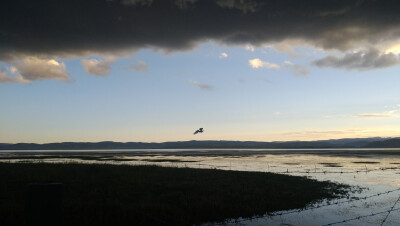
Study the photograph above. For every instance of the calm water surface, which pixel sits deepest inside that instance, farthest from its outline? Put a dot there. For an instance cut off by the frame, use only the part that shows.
(376, 170)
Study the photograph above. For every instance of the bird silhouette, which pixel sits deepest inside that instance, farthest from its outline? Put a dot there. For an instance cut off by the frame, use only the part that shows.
(198, 131)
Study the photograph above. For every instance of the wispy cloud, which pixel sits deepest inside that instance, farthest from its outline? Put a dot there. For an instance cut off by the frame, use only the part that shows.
(394, 113)
(296, 69)
(318, 133)
(262, 79)
(257, 63)
(98, 67)
(336, 133)
(374, 115)
(249, 48)
(335, 116)
(201, 85)
(142, 67)
(223, 55)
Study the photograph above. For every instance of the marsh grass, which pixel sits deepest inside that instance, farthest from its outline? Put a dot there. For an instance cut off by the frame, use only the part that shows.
(101, 194)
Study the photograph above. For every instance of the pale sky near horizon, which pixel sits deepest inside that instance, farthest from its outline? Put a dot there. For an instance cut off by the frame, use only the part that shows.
(235, 91)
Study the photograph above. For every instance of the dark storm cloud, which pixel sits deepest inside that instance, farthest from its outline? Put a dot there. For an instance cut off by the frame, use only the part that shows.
(80, 28)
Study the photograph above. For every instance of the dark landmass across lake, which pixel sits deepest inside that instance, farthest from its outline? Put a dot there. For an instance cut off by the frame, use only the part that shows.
(376, 142)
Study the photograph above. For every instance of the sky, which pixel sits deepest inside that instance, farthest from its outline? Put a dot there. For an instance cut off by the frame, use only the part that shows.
(155, 71)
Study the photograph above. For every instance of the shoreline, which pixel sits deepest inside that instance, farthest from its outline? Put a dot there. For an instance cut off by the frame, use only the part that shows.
(345, 152)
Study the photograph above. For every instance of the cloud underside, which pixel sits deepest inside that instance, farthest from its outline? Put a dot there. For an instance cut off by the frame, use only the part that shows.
(97, 67)
(35, 38)
(295, 69)
(7, 78)
(30, 69)
(257, 63)
(82, 28)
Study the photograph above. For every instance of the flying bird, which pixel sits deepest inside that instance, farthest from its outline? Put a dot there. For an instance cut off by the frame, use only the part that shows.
(198, 131)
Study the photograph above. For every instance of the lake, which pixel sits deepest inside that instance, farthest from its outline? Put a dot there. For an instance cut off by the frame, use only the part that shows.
(375, 171)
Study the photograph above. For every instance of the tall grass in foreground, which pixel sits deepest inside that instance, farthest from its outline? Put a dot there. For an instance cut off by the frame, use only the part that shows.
(100, 194)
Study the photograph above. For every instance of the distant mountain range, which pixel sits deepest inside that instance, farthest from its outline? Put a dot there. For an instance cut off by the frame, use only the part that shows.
(376, 142)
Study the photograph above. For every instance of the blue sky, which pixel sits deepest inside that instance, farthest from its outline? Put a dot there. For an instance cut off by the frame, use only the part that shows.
(157, 70)
(171, 94)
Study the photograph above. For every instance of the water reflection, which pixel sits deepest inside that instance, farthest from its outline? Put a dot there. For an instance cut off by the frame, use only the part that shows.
(377, 170)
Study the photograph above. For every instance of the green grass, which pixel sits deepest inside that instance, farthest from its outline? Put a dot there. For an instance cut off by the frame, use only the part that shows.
(100, 194)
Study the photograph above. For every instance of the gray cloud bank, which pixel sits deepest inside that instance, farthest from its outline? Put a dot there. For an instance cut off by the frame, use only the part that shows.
(36, 35)
(80, 28)
(370, 59)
